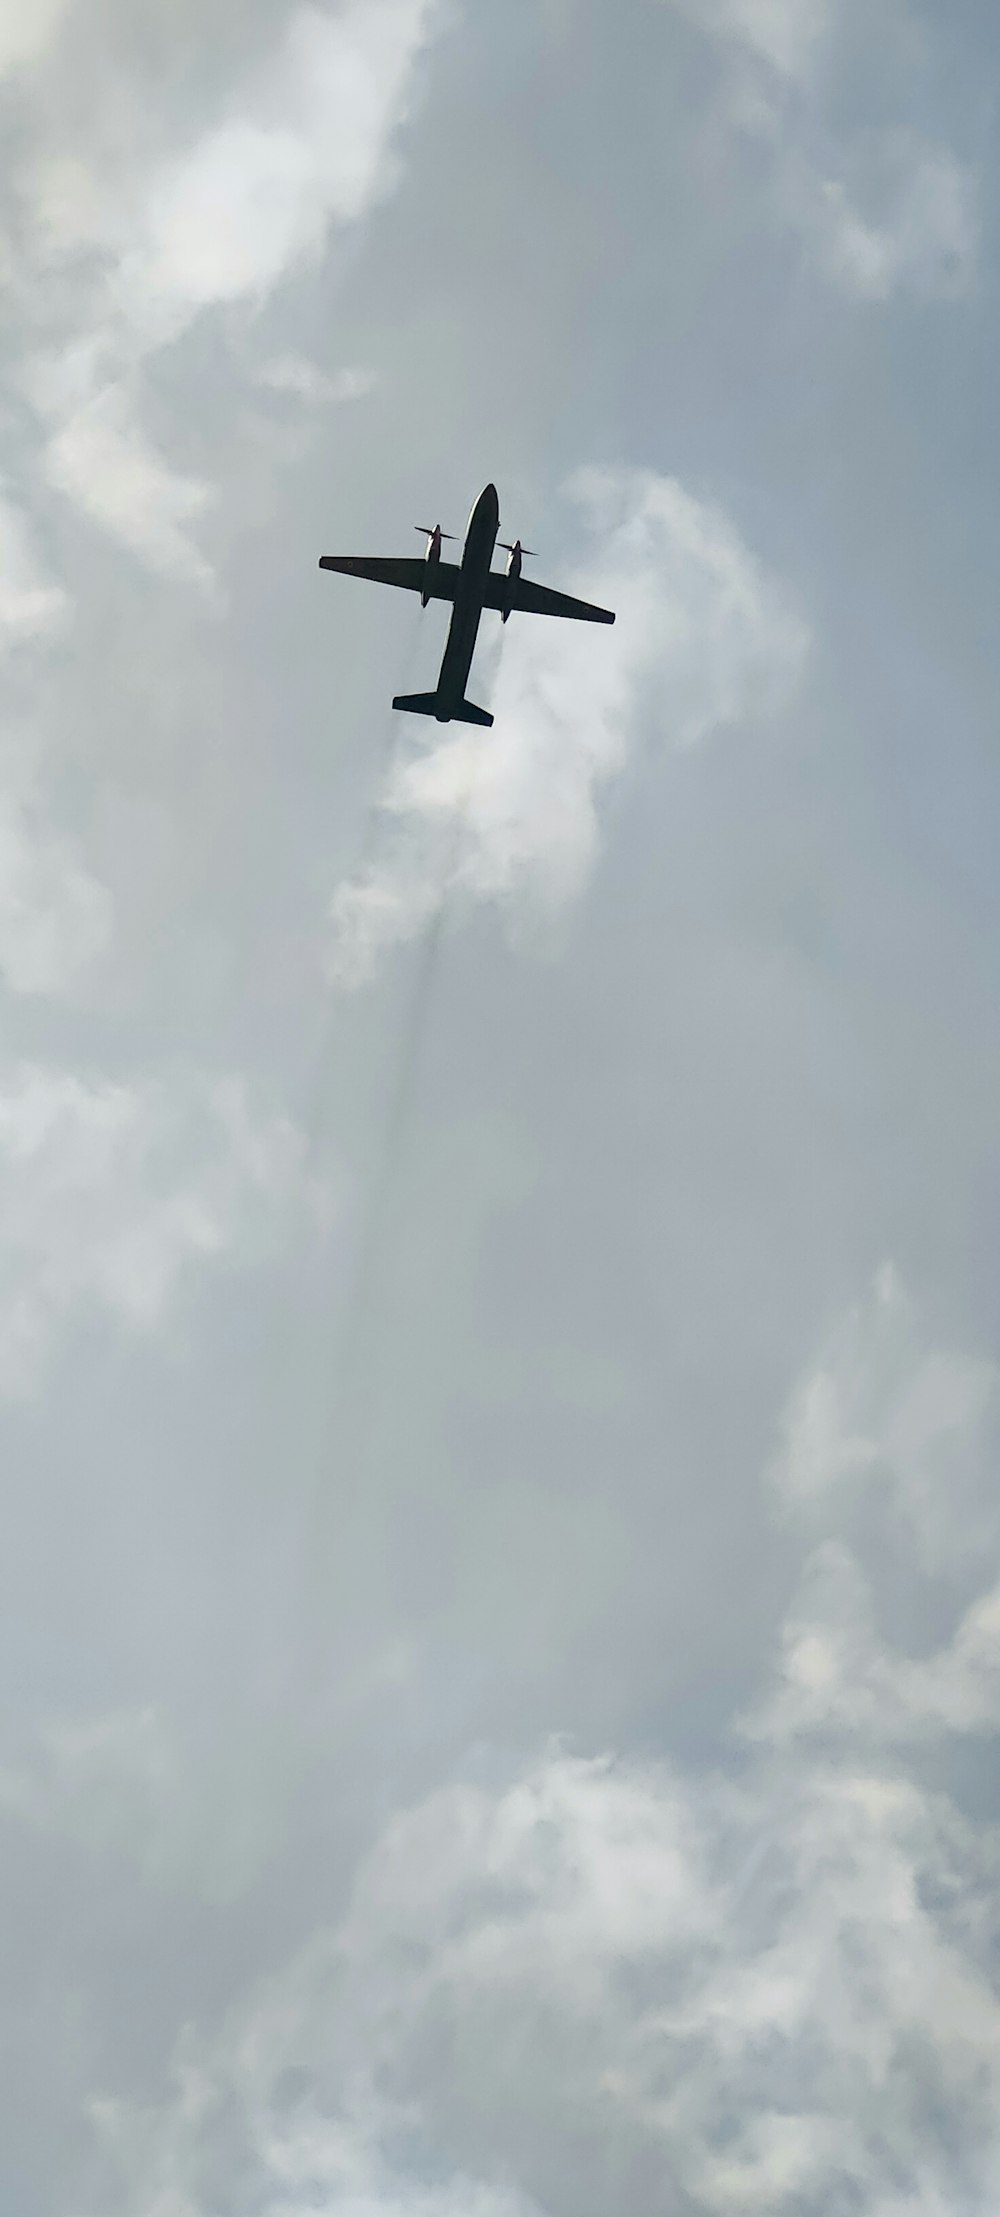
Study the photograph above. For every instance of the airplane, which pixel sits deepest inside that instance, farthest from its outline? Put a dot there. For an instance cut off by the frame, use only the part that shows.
(471, 586)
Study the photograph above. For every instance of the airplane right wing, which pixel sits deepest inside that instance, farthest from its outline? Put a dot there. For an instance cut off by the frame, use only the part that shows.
(539, 600)
(413, 573)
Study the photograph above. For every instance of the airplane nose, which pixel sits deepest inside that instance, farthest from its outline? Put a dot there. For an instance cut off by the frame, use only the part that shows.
(486, 513)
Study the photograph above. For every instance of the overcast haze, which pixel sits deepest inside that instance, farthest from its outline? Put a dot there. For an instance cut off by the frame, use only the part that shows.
(500, 1568)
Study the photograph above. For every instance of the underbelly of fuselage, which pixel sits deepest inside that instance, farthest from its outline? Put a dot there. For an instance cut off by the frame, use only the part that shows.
(477, 557)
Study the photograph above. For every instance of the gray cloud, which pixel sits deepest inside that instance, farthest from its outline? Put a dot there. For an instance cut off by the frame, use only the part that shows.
(112, 1189)
(885, 1409)
(789, 35)
(102, 460)
(595, 1975)
(26, 36)
(306, 144)
(30, 603)
(522, 1741)
(291, 373)
(55, 918)
(879, 211)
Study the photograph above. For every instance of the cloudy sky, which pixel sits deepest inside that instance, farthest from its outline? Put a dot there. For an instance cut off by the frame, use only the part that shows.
(499, 1299)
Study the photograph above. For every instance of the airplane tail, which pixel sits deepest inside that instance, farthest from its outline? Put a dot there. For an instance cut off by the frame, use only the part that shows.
(426, 704)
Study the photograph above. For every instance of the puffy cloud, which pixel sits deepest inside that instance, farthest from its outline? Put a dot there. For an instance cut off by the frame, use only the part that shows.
(304, 145)
(607, 1976)
(586, 1980)
(704, 640)
(103, 461)
(111, 1191)
(838, 1683)
(885, 1420)
(884, 1408)
(308, 147)
(292, 2164)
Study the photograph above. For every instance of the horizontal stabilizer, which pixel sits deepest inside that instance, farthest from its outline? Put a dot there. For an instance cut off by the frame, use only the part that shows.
(426, 704)
(419, 704)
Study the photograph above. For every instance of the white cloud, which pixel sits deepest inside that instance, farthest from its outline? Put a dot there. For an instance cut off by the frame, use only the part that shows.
(121, 1788)
(107, 1782)
(786, 34)
(111, 1191)
(880, 211)
(26, 33)
(299, 2164)
(30, 604)
(302, 380)
(591, 1978)
(838, 1683)
(884, 1419)
(309, 147)
(757, 1996)
(921, 233)
(785, 1968)
(55, 918)
(885, 1408)
(102, 460)
(704, 639)
(305, 145)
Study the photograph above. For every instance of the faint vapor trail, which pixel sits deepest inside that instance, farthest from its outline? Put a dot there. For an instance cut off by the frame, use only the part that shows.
(345, 1501)
(391, 739)
(393, 1151)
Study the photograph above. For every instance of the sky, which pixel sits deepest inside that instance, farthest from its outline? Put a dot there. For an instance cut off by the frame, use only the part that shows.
(499, 1300)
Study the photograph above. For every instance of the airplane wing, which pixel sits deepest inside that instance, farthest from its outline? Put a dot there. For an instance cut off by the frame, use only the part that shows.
(411, 572)
(539, 600)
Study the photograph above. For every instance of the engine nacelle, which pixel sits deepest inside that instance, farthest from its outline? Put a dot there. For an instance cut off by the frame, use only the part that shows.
(513, 571)
(432, 556)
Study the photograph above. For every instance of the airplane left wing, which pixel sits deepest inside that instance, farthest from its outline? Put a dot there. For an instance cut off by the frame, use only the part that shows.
(539, 600)
(412, 572)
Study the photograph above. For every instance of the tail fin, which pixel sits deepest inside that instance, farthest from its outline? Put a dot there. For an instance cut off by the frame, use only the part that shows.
(426, 704)
(419, 704)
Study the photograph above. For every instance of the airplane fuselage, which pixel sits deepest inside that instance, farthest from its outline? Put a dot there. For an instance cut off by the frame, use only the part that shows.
(477, 557)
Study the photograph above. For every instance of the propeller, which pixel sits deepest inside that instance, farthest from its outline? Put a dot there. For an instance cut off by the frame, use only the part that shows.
(517, 548)
(430, 531)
